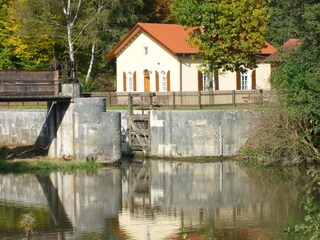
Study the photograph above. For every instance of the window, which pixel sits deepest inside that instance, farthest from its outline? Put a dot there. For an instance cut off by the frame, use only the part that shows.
(245, 80)
(208, 81)
(130, 82)
(205, 82)
(146, 50)
(163, 85)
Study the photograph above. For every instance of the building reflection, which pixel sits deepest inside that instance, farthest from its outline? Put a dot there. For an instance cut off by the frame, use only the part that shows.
(221, 196)
(153, 200)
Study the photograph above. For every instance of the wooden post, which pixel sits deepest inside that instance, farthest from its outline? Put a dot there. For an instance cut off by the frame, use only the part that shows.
(261, 97)
(199, 99)
(109, 99)
(151, 101)
(130, 104)
(211, 97)
(174, 100)
(234, 98)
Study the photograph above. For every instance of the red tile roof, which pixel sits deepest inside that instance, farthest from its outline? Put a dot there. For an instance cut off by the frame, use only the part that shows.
(284, 50)
(172, 37)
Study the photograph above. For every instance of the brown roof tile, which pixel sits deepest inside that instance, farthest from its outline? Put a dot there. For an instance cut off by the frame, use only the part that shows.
(172, 37)
(284, 50)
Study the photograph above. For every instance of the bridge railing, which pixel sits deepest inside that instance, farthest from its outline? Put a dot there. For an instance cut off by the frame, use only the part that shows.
(188, 99)
(29, 83)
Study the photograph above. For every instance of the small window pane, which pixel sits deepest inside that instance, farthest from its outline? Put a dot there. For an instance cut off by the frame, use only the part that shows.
(130, 82)
(163, 84)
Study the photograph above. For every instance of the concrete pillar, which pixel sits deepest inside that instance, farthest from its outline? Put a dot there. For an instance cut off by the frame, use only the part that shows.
(84, 130)
(97, 132)
(71, 89)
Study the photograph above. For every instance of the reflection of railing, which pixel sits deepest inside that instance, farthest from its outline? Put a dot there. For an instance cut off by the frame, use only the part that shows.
(188, 99)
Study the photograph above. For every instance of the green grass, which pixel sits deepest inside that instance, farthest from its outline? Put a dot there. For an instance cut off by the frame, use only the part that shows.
(45, 166)
(26, 107)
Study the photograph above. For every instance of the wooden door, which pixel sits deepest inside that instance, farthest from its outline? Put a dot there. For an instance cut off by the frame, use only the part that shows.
(146, 81)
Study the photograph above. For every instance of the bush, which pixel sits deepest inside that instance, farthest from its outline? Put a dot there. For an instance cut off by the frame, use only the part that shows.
(310, 228)
(290, 130)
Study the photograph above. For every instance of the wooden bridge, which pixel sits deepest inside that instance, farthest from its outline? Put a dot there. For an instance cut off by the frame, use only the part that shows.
(30, 86)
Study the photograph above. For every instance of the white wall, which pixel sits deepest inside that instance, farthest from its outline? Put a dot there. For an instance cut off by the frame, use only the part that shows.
(263, 76)
(227, 81)
(190, 74)
(133, 58)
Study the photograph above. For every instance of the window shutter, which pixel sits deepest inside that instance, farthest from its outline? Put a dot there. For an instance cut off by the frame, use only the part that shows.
(135, 81)
(200, 83)
(238, 81)
(124, 82)
(157, 81)
(216, 80)
(168, 81)
(253, 79)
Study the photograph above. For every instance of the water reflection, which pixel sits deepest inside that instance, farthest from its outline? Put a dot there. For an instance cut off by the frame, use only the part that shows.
(157, 200)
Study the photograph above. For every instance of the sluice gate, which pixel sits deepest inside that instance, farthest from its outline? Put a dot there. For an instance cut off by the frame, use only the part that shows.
(139, 121)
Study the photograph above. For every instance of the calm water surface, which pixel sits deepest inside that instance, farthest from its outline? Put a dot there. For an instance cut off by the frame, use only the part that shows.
(154, 200)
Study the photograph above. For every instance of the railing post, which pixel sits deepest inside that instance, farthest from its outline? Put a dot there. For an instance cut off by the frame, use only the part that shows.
(234, 98)
(130, 104)
(211, 97)
(151, 101)
(109, 99)
(174, 100)
(261, 96)
(199, 99)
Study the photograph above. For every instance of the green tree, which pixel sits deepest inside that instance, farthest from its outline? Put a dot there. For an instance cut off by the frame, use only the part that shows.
(76, 29)
(298, 83)
(7, 58)
(283, 22)
(227, 33)
(123, 15)
(293, 130)
(157, 11)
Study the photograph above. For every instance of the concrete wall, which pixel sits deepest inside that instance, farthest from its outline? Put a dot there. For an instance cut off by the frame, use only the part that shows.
(195, 133)
(80, 130)
(21, 126)
(200, 133)
(83, 129)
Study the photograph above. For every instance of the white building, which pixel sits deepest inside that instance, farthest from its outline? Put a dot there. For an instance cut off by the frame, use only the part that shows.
(157, 58)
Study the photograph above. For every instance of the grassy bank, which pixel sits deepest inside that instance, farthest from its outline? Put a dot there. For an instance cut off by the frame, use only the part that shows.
(28, 163)
(45, 166)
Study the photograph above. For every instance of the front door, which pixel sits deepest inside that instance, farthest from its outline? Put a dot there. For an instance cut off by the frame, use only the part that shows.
(146, 81)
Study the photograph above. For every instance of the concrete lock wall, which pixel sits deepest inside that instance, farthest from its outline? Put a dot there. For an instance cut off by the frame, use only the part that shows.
(80, 130)
(97, 132)
(200, 133)
(21, 126)
(194, 133)
(86, 131)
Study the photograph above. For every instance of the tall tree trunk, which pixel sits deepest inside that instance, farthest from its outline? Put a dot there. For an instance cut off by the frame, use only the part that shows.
(93, 48)
(70, 43)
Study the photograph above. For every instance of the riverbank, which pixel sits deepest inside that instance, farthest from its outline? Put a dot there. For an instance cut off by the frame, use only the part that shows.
(29, 159)
(44, 166)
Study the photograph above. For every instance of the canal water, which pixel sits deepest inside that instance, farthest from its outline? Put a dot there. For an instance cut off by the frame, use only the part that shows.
(154, 200)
